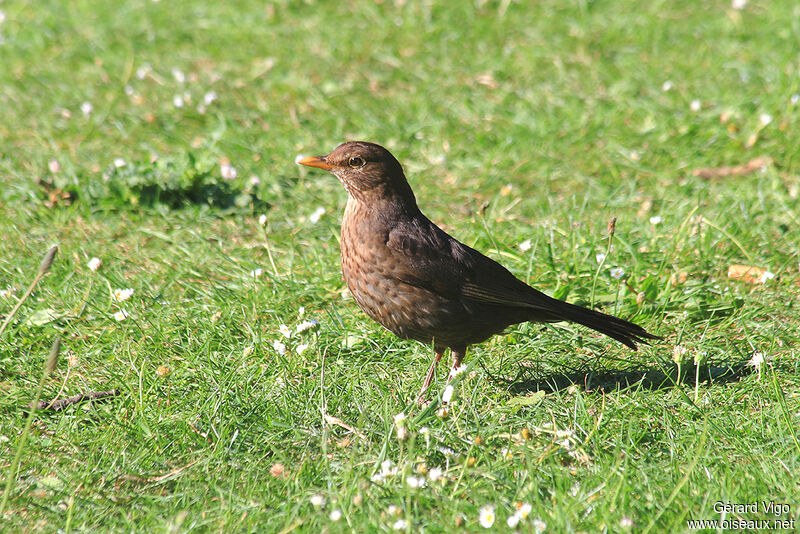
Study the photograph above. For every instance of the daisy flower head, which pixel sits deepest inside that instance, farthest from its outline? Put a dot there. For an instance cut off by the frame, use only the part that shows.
(121, 295)
(415, 482)
(448, 393)
(486, 516)
(617, 273)
(285, 330)
(228, 171)
(317, 215)
(435, 474)
(305, 326)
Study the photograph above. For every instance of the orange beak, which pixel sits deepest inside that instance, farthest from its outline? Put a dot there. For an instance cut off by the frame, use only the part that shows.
(316, 161)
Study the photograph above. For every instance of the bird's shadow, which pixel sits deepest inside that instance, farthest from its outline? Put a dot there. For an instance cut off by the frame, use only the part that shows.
(665, 375)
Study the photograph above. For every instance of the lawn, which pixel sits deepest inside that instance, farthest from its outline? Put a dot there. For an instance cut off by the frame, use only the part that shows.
(251, 393)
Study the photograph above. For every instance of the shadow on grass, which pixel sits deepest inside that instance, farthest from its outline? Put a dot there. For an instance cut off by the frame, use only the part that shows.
(606, 380)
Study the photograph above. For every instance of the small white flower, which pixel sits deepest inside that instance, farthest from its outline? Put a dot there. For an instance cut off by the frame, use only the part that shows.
(757, 360)
(178, 74)
(617, 272)
(415, 482)
(120, 315)
(2, 16)
(402, 433)
(765, 119)
(525, 246)
(457, 371)
(513, 521)
(400, 419)
(447, 451)
(254, 180)
(656, 219)
(262, 220)
(317, 500)
(72, 360)
(87, 108)
(400, 524)
(255, 273)
(177, 101)
(301, 311)
(678, 354)
(301, 348)
(279, 347)
(209, 98)
(317, 215)
(539, 526)
(129, 90)
(393, 509)
(228, 171)
(626, 522)
(378, 478)
(388, 468)
(424, 430)
(738, 4)
(335, 515)
(143, 71)
(666, 86)
(524, 509)
(119, 162)
(506, 453)
(121, 295)
(306, 325)
(285, 330)
(795, 99)
(448, 393)
(486, 516)
(695, 105)
(54, 166)
(600, 257)
(5, 293)
(435, 474)
(767, 275)
(95, 263)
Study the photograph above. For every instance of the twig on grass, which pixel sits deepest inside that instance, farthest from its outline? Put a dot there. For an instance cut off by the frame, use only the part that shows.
(60, 404)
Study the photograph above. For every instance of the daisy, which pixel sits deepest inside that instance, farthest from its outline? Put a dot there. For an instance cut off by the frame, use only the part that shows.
(121, 295)
(486, 516)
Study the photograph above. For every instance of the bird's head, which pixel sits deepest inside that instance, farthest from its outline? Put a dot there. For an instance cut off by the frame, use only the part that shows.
(366, 170)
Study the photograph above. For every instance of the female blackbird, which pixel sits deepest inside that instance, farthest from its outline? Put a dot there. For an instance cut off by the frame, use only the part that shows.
(420, 283)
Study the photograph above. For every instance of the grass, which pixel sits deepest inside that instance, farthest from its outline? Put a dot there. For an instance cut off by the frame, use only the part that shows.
(515, 123)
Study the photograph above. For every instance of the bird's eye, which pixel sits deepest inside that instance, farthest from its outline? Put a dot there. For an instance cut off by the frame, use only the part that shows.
(356, 162)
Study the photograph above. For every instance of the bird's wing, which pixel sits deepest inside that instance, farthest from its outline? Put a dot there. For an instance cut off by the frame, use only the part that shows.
(427, 257)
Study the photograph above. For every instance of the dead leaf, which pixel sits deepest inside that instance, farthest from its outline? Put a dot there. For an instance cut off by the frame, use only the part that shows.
(749, 273)
(738, 170)
(331, 420)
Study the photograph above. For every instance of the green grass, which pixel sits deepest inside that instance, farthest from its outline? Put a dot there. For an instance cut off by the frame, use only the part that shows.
(564, 101)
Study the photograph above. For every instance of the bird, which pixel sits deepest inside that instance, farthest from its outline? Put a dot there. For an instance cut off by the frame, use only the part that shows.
(418, 282)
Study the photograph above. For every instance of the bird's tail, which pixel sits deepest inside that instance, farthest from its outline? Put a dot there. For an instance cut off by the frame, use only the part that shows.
(623, 331)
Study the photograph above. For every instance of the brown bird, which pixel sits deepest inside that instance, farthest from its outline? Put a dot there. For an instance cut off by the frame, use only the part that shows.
(420, 283)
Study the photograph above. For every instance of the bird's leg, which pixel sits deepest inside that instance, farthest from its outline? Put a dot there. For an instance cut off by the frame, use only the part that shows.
(458, 356)
(429, 377)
